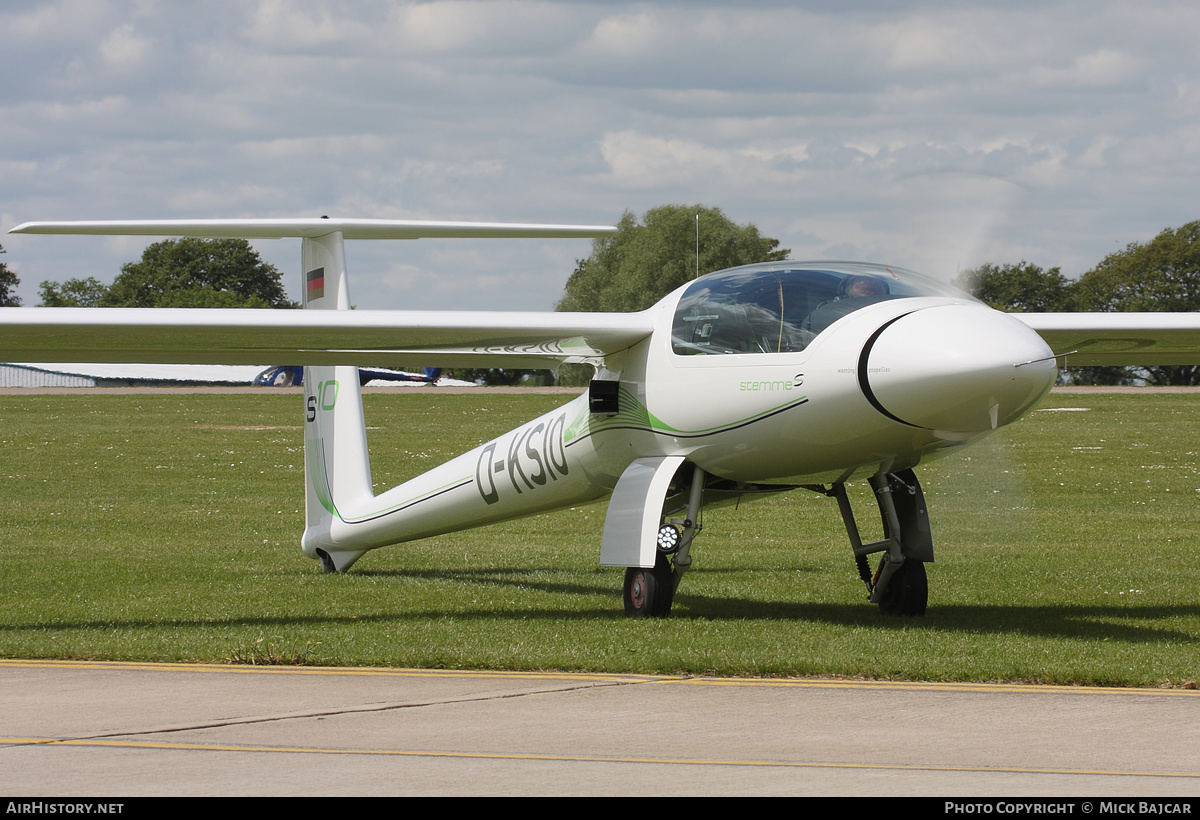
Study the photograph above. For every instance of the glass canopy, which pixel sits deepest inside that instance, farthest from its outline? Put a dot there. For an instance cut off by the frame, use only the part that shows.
(779, 307)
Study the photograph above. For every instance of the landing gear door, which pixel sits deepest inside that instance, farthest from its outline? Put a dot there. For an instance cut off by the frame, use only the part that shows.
(635, 512)
(916, 540)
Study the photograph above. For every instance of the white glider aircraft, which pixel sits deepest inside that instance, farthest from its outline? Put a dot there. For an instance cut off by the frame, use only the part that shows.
(754, 380)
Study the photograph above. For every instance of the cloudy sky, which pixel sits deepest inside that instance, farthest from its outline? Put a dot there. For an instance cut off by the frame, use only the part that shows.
(932, 135)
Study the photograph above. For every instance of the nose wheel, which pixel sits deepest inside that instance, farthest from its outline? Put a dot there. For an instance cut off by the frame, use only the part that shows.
(908, 591)
(900, 585)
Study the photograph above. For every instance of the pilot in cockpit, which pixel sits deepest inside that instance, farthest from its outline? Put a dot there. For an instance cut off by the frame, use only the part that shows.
(861, 287)
(853, 293)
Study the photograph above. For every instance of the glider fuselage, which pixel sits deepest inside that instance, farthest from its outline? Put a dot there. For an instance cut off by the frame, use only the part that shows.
(880, 388)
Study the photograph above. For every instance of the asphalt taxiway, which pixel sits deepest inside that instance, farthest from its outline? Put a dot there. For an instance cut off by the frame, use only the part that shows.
(98, 728)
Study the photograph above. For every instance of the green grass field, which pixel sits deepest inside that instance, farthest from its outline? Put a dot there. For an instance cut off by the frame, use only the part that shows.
(166, 527)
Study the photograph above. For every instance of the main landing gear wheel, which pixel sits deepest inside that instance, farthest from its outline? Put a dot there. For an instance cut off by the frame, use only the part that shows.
(649, 592)
(907, 592)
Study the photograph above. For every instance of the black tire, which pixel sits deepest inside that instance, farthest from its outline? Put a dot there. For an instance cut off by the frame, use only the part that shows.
(908, 591)
(649, 593)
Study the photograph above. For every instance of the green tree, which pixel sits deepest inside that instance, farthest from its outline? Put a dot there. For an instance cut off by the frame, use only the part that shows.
(1021, 287)
(198, 273)
(88, 292)
(642, 262)
(8, 285)
(1160, 275)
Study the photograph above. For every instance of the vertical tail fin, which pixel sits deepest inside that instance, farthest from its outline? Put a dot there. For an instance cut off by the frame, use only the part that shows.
(333, 416)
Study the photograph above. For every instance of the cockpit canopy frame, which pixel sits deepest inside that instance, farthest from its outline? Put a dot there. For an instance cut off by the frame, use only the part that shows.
(780, 307)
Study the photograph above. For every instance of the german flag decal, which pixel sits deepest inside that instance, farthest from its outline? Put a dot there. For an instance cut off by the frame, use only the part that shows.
(315, 280)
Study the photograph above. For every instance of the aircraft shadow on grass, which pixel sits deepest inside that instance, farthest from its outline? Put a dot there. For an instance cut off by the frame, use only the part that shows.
(1124, 624)
(1081, 622)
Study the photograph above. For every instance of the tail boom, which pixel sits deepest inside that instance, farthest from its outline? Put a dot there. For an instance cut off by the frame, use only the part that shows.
(526, 471)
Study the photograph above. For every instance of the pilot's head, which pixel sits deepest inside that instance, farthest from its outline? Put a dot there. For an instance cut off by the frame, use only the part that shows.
(857, 287)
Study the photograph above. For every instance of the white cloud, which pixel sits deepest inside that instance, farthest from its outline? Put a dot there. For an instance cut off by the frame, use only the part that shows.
(1104, 67)
(622, 36)
(341, 147)
(640, 161)
(288, 25)
(62, 20)
(123, 48)
(441, 27)
(1094, 155)
(242, 199)
(927, 43)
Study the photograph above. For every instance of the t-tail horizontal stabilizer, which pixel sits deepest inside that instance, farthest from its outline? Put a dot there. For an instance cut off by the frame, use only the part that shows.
(314, 227)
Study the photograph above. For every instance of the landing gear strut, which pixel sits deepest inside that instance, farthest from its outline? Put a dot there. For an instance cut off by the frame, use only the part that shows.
(899, 585)
(650, 592)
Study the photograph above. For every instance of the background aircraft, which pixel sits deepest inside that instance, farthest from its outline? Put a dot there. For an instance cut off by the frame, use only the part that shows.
(293, 375)
(744, 382)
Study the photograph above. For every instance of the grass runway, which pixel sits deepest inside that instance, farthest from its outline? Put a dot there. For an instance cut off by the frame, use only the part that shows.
(166, 527)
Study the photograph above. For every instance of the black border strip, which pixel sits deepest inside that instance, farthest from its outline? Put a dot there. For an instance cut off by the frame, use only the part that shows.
(385, 513)
(864, 383)
(409, 505)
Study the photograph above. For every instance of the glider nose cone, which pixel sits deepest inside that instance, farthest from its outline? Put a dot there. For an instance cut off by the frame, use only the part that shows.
(956, 368)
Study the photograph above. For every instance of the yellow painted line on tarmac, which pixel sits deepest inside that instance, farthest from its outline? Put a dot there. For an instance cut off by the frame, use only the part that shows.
(543, 758)
(328, 670)
(482, 674)
(928, 686)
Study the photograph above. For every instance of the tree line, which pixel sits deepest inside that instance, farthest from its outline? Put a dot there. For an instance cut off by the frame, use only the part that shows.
(186, 273)
(8, 286)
